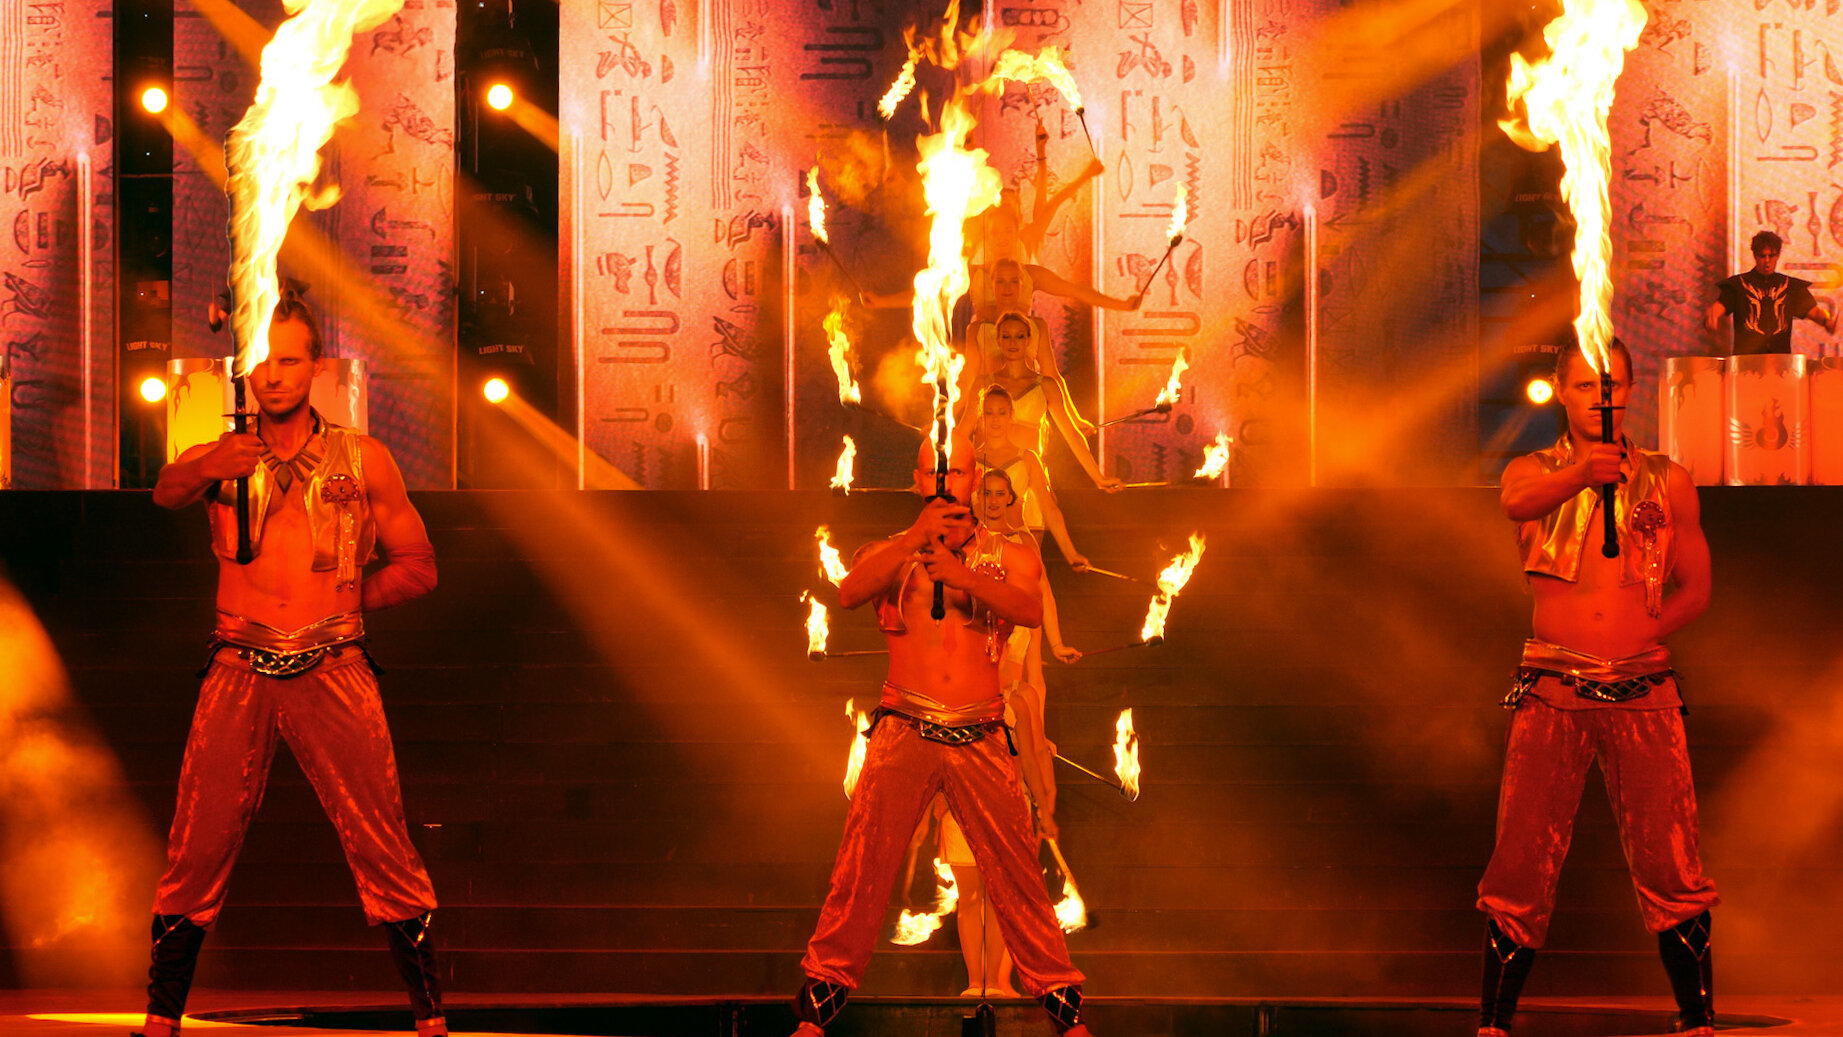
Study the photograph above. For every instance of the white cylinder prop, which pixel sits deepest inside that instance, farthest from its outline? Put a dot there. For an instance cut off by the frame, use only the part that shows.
(1826, 420)
(199, 398)
(1769, 420)
(1692, 419)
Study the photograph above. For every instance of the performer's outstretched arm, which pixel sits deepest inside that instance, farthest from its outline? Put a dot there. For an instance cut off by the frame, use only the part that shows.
(409, 570)
(1052, 516)
(1068, 422)
(1691, 572)
(187, 477)
(1046, 280)
(1530, 493)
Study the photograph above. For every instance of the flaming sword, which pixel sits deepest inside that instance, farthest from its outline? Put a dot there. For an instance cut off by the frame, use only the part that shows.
(272, 161)
(1566, 99)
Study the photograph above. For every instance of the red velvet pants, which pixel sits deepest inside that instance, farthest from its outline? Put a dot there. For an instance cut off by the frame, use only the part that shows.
(902, 772)
(1645, 762)
(334, 723)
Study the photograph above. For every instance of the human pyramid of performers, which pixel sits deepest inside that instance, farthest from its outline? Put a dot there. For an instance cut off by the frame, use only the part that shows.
(955, 751)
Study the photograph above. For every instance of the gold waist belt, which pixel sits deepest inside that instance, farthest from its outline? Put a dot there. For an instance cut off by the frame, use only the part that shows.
(1541, 655)
(1591, 677)
(287, 653)
(916, 706)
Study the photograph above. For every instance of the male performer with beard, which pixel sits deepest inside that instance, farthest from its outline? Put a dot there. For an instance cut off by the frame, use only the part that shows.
(1764, 302)
(939, 728)
(288, 660)
(1596, 685)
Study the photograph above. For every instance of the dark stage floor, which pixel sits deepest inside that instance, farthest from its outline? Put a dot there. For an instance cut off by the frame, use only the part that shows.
(344, 1014)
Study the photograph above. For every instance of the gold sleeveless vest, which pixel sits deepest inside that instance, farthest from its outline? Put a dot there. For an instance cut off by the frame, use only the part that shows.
(339, 518)
(1553, 544)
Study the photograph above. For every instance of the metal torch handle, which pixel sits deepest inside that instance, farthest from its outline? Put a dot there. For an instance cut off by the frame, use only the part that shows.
(245, 552)
(939, 611)
(1609, 529)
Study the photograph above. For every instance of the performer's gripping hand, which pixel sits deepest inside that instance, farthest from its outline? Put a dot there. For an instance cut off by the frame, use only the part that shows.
(1601, 465)
(1065, 653)
(944, 566)
(939, 519)
(1080, 563)
(234, 457)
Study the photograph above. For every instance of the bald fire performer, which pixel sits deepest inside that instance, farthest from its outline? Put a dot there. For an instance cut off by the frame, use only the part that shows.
(939, 728)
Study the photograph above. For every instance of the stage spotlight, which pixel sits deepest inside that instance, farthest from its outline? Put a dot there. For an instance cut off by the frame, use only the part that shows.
(153, 389)
(154, 99)
(499, 96)
(496, 390)
(1539, 391)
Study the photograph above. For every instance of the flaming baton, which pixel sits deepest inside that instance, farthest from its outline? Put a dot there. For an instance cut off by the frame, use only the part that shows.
(838, 349)
(1170, 582)
(816, 221)
(847, 463)
(1565, 100)
(272, 159)
(1167, 397)
(958, 184)
(1215, 458)
(1174, 234)
(1125, 759)
(816, 628)
(860, 745)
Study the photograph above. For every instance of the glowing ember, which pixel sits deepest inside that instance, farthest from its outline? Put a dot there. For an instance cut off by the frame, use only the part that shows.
(1071, 912)
(859, 745)
(817, 630)
(829, 558)
(273, 154)
(958, 184)
(1180, 215)
(838, 347)
(913, 928)
(1215, 458)
(1126, 754)
(1170, 582)
(1020, 67)
(905, 80)
(1565, 99)
(816, 207)
(847, 461)
(1168, 396)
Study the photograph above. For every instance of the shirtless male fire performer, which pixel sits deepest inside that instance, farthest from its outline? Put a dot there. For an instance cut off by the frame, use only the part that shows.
(1596, 683)
(288, 659)
(939, 728)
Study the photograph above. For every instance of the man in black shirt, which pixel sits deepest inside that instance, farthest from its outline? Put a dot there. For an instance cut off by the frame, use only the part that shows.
(1764, 303)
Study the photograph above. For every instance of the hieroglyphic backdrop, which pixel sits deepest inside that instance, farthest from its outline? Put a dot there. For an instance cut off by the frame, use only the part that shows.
(674, 185)
(381, 262)
(1672, 177)
(55, 198)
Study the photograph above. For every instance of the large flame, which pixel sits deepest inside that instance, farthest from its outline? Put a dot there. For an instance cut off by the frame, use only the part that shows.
(1565, 99)
(847, 463)
(1126, 754)
(859, 745)
(1168, 396)
(1180, 215)
(816, 207)
(958, 184)
(1170, 582)
(817, 629)
(838, 347)
(829, 558)
(1020, 67)
(1215, 458)
(914, 928)
(273, 154)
